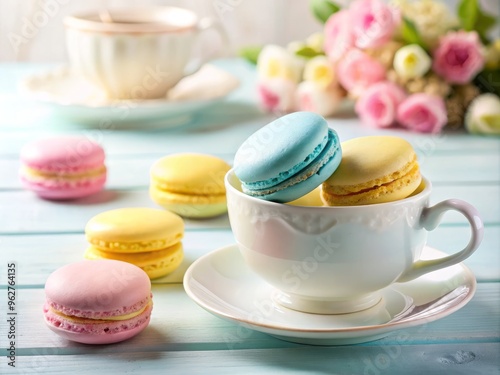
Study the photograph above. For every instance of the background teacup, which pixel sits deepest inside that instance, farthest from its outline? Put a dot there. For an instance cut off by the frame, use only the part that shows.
(332, 260)
(136, 53)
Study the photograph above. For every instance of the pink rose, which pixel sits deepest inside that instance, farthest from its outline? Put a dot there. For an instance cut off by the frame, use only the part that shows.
(423, 113)
(458, 57)
(373, 22)
(357, 71)
(277, 95)
(378, 105)
(338, 34)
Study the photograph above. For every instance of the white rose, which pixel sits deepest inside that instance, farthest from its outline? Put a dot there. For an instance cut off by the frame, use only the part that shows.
(483, 115)
(277, 62)
(411, 61)
(319, 70)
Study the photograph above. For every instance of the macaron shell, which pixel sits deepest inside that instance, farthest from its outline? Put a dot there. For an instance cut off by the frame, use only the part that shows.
(101, 332)
(304, 187)
(61, 190)
(389, 192)
(64, 153)
(155, 263)
(374, 169)
(309, 178)
(98, 289)
(279, 146)
(63, 167)
(134, 229)
(190, 206)
(372, 160)
(190, 173)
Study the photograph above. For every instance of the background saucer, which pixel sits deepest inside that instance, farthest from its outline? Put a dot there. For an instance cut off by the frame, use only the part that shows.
(221, 283)
(72, 97)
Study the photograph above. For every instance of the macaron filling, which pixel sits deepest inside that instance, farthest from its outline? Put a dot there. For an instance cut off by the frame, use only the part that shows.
(80, 319)
(79, 326)
(63, 180)
(405, 183)
(135, 247)
(312, 164)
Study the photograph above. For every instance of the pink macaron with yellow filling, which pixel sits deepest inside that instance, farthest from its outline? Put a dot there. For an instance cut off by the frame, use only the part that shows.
(98, 301)
(64, 167)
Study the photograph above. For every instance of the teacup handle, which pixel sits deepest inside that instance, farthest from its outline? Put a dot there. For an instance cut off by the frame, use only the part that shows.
(429, 220)
(205, 24)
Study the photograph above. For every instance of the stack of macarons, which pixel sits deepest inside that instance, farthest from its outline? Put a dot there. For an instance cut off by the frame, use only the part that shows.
(298, 159)
(64, 167)
(146, 237)
(190, 184)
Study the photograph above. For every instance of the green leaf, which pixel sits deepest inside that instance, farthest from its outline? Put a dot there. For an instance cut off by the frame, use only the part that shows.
(472, 18)
(484, 23)
(307, 52)
(410, 33)
(323, 9)
(468, 13)
(251, 53)
(488, 81)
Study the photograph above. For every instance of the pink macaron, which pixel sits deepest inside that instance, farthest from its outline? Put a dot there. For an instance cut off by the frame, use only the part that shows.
(98, 301)
(65, 167)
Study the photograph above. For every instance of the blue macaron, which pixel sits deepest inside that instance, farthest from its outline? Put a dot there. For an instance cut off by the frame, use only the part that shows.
(288, 158)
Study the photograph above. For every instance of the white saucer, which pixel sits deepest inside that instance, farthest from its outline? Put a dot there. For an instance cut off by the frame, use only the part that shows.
(73, 97)
(221, 283)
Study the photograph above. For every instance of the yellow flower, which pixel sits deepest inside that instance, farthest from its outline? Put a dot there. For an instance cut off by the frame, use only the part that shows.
(319, 70)
(411, 61)
(276, 62)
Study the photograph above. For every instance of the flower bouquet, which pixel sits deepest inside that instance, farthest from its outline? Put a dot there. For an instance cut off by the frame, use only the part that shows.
(410, 64)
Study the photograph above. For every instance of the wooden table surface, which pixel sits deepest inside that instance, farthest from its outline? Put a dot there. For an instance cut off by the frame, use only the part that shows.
(39, 236)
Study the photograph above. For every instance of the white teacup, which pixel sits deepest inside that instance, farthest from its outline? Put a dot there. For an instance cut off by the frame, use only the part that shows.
(333, 260)
(136, 53)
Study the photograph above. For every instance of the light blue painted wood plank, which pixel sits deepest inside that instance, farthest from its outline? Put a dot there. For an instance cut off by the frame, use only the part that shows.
(486, 199)
(485, 262)
(222, 131)
(123, 172)
(178, 324)
(28, 213)
(457, 359)
(25, 212)
(37, 256)
(126, 172)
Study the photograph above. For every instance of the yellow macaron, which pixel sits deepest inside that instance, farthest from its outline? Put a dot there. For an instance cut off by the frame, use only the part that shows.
(190, 184)
(374, 169)
(147, 237)
(311, 199)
